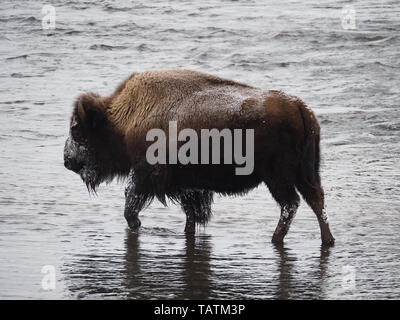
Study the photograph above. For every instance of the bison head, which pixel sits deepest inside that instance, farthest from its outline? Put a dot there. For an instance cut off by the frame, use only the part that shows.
(86, 150)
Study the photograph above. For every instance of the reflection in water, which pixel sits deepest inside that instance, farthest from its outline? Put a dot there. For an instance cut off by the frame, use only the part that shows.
(180, 267)
(139, 273)
(132, 264)
(285, 266)
(291, 284)
(185, 276)
(196, 268)
(323, 269)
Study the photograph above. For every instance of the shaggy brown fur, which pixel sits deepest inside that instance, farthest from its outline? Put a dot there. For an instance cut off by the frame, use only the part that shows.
(113, 131)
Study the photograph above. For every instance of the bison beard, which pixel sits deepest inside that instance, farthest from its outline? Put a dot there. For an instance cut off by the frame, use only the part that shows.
(108, 139)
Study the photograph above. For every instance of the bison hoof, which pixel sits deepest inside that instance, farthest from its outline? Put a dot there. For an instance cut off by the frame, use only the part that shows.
(277, 240)
(328, 242)
(134, 224)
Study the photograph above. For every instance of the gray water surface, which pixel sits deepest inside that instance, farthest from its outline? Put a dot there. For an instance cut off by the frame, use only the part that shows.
(350, 78)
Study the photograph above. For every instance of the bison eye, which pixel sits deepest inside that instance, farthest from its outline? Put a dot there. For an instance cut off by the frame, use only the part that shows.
(76, 132)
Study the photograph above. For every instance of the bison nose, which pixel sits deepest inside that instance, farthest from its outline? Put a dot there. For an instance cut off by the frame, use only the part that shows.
(72, 165)
(67, 164)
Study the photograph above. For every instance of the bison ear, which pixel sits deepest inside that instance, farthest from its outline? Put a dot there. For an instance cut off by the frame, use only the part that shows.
(90, 111)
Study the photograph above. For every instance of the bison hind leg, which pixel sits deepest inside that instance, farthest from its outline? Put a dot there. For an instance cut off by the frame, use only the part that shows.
(196, 204)
(289, 200)
(314, 196)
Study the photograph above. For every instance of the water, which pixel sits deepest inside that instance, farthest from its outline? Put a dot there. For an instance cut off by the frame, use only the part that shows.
(349, 77)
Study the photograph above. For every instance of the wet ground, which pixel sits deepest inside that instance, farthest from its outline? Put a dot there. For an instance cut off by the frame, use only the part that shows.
(349, 77)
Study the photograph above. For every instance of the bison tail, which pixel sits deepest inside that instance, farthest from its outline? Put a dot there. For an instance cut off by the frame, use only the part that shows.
(308, 173)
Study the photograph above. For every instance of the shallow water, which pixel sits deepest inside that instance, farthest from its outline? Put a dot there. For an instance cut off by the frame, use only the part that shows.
(349, 78)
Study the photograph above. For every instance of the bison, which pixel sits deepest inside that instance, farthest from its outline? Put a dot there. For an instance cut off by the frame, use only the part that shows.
(109, 138)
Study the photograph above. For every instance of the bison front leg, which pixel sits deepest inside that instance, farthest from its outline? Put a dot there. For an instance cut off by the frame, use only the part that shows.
(135, 201)
(197, 207)
(190, 226)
